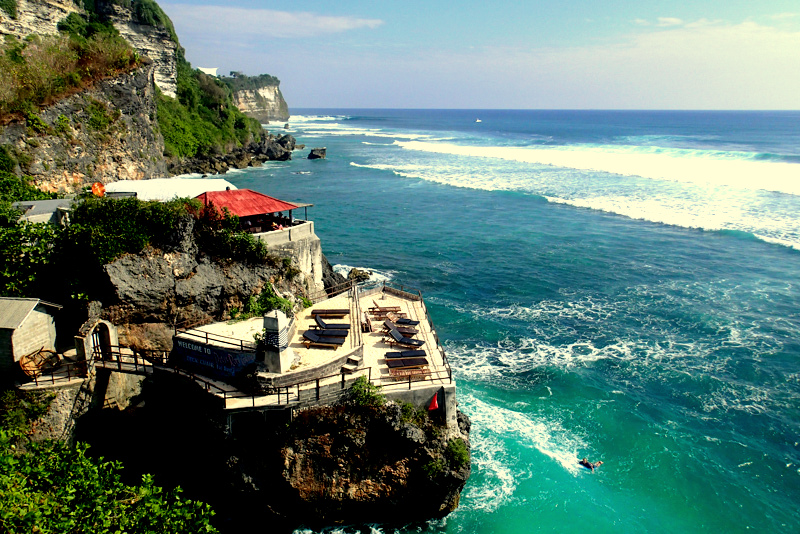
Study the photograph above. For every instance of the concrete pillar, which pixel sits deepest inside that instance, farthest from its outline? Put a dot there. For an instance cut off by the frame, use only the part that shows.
(276, 338)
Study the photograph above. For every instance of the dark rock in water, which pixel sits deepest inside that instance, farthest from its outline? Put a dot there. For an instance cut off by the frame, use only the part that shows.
(276, 152)
(286, 126)
(287, 141)
(317, 153)
(330, 278)
(358, 275)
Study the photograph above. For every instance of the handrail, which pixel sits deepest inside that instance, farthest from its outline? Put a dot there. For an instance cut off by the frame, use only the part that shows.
(208, 337)
(74, 370)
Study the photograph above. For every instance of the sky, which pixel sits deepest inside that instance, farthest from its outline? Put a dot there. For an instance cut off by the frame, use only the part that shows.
(523, 54)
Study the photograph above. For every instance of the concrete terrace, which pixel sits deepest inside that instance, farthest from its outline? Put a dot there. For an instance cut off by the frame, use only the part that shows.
(319, 372)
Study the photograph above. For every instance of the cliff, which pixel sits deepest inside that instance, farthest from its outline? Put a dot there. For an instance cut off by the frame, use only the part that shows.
(157, 41)
(265, 103)
(105, 133)
(37, 17)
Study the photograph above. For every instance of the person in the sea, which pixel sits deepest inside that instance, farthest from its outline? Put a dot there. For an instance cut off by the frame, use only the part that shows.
(589, 465)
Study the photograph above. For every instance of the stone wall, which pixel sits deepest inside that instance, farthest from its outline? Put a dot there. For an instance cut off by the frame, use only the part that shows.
(303, 246)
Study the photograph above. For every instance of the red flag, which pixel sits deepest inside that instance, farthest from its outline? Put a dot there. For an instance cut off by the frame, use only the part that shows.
(434, 402)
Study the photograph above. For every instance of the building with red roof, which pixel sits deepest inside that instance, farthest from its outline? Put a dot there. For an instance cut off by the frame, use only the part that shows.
(257, 212)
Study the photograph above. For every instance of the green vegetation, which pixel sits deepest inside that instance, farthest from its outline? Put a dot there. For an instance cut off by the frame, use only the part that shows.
(457, 453)
(364, 393)
(239, 82)
(10, 7)
(411, 414)
(202, 120)
(258, 305)
(52, 487)
(41, 69)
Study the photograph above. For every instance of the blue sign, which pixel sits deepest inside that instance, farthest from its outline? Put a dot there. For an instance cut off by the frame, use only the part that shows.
(211, 360)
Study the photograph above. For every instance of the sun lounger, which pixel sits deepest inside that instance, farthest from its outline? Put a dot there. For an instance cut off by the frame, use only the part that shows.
(396, 338)
(310, 339)
(383, 310)
(401, 321)
(331, 313)
(405, 330)
(332, 333)
(325, 326)
(406, 363)
(405, 354)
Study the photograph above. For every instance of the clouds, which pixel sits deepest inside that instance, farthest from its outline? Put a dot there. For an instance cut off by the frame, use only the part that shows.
(235, 22)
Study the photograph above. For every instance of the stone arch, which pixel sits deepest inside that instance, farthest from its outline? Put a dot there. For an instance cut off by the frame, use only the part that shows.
(100, 336)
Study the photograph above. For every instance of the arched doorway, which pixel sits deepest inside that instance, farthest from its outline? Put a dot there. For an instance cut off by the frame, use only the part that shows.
(101, 341)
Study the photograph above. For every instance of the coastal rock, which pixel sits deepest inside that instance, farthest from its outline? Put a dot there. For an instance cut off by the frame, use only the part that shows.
(358, 275)
(287, 141)
(317, 153)
(355, 465)
(40, 17)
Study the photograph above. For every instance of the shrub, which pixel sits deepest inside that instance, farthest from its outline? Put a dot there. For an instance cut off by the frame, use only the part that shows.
(364, 393)
(457, 453)
(10, 7)
(7, 162)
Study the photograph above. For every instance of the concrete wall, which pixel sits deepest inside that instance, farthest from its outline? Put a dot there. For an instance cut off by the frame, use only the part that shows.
(301, 244)
(37, 331)
(421, 398)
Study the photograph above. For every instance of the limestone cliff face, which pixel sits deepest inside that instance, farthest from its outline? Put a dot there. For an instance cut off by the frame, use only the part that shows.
(37, 17)
(265, 103)
(154, 42)
(105, 133)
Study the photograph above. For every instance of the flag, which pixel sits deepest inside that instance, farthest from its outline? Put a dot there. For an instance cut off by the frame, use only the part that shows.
(434, 405)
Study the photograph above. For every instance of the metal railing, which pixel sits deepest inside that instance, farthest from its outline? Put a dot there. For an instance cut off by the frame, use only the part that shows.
(63, 373)
(209, 337)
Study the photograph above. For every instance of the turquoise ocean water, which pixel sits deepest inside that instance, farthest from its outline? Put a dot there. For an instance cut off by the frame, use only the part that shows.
(623, 286)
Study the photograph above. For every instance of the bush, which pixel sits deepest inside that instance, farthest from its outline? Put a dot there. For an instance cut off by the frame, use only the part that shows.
(10, 7)
(42, 68)
(457, 453)
(364, 393)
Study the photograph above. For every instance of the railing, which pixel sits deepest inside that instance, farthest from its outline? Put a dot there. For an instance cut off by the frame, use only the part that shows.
(208, 337)
(63, 373)
(319, 296)
(130, 360)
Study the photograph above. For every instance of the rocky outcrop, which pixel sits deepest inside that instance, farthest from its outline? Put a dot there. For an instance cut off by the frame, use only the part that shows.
(269, 148)
(37, 17)
(105, 133)
(317, 153)
(356, 465)
(264, 104)
(182, 285)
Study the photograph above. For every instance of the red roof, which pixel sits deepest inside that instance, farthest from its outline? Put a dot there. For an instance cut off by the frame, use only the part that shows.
(245, 202)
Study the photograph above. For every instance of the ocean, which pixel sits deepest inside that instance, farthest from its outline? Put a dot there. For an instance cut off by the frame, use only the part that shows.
(617, 285)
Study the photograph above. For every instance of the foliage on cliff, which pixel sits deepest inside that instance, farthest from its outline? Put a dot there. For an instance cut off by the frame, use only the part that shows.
(51, 487)
(202, 119)
(241, 82)
(41, 69)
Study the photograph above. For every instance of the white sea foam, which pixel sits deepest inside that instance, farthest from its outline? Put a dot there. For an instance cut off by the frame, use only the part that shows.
(680, 165)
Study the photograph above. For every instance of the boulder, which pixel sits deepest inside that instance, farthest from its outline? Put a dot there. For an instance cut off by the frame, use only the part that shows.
(317, 153)
(287, 141)
(358, 275)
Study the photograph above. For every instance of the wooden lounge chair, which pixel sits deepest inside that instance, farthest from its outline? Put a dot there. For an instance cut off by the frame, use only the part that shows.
(396, 338)
(408, 368)
(331, 313)
(405, 354)
(406, 331)
(325, 326)
(310, 339)
(384, 309)
(402, 321)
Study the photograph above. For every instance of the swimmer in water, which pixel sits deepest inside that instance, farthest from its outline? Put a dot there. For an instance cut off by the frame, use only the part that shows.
(589, 465)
